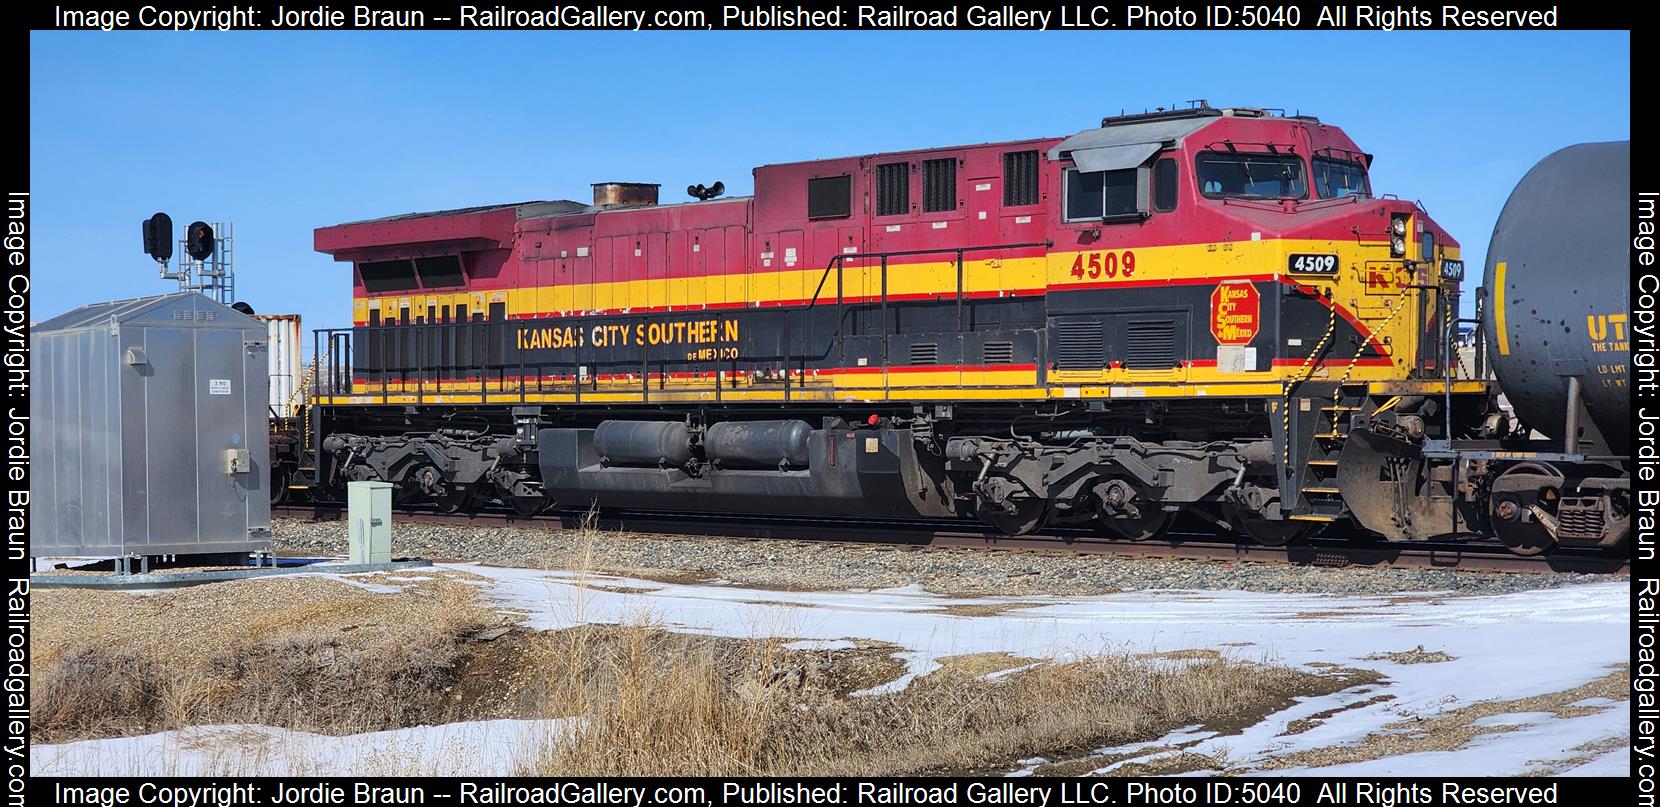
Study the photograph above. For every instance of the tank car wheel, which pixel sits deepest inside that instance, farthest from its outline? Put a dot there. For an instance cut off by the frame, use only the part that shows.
(1145, 528)
(1268, 532)
(1028, 516)
(1514, 494)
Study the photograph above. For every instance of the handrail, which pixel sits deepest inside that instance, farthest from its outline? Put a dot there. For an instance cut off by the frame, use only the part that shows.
(838, 260)
(339, 340)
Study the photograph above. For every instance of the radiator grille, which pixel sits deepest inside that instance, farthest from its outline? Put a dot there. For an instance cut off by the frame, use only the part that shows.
(925, 353)
(1080, 345)
(893, 189)
(1150, 345)
(998, 353)
(1020, 178)
(939, 185)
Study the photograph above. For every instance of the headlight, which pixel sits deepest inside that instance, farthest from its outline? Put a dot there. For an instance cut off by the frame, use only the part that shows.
(1397, 226)
(1397, 247)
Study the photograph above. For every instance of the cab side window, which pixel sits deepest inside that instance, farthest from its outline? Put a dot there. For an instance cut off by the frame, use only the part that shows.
(1098, 195)
(1164, 185)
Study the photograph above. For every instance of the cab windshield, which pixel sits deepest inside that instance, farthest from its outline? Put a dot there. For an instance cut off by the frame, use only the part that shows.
(1251, 176)
(1335, 179)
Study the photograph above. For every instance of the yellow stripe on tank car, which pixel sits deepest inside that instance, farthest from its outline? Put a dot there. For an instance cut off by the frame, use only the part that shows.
(1498, 308)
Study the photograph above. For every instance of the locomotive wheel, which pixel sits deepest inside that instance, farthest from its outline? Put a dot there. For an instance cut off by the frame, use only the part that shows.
(1145, 528)
(529, 506)
(280, 479)
(1028, 515)
(452, 501)
(1269, 532)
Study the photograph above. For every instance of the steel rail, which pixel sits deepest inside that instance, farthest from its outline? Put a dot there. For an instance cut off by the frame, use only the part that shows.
(945, 535)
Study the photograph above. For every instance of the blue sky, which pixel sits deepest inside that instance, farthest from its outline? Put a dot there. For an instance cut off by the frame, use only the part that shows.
(282, 133)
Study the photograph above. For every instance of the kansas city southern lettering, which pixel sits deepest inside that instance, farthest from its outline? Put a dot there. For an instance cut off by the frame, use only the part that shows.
(683, 332)
(1235, 313)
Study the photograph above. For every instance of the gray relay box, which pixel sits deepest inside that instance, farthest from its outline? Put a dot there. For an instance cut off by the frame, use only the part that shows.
(150, 430)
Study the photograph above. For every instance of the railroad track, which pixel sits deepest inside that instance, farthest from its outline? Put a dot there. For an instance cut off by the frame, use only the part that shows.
(948, 535)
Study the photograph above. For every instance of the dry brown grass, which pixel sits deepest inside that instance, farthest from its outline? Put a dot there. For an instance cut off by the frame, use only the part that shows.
(298, 652)
(659, 704)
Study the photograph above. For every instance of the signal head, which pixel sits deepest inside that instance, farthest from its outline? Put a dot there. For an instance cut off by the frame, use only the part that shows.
(198, 240)
(158, 237)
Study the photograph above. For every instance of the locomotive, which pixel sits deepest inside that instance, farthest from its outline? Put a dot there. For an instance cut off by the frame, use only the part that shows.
(1202, 312)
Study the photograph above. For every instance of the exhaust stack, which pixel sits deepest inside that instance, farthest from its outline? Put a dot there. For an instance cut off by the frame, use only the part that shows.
(624, 194)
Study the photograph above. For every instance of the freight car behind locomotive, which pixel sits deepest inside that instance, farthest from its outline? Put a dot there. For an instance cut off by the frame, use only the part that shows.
(1204, 311)
(1556, 330)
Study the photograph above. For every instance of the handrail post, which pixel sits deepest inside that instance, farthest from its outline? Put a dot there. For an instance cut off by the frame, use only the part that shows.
(841, 309)
(959, 290)
(784, 360)
(885, 328)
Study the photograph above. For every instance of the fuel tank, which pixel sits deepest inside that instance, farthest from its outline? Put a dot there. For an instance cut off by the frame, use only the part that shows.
(1558, 291)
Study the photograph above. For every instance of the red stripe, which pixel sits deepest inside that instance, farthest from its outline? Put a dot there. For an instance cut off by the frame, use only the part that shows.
(1363, 361)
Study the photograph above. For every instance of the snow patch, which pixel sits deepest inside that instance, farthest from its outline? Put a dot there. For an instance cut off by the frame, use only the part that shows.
(1503, 647)
(481, 748)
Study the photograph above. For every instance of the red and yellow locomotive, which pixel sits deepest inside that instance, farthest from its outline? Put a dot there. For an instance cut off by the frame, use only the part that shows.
(1184, 311)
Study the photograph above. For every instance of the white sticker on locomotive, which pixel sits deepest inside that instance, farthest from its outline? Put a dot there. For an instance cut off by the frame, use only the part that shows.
(1236, 359)
(1312, 264)
(219, 386)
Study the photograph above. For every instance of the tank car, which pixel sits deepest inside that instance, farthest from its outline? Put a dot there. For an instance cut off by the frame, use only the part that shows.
(1557, 302)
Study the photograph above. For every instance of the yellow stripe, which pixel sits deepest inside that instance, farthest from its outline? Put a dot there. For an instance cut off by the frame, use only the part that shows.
(1425, 387)
(1498, 308)
(862, 278)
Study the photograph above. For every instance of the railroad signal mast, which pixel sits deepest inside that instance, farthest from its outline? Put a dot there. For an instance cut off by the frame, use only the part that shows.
(206, 262)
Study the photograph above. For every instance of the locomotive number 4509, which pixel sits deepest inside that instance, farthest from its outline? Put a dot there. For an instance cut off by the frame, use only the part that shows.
(1313, 264)
(1096, 265)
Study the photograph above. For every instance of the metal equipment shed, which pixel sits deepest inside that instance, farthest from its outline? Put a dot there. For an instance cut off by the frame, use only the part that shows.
(150, 430)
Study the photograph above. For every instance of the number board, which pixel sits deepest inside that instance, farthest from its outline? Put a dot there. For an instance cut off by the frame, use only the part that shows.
(1303, 263)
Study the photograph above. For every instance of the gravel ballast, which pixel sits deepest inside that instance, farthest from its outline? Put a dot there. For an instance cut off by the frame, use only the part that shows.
(813, 565)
